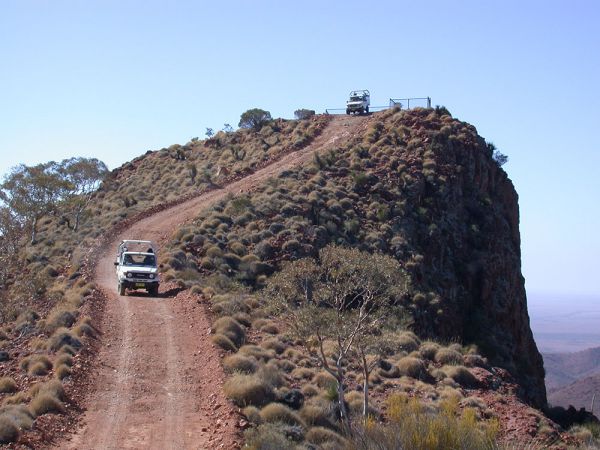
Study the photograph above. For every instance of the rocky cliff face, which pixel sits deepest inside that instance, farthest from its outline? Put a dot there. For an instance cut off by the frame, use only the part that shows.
(471, 250)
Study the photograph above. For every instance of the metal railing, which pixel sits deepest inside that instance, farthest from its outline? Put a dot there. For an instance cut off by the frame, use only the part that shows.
(402, 103)
(398, 102)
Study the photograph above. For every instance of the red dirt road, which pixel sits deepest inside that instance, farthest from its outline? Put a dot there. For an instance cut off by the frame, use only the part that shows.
(157, 381)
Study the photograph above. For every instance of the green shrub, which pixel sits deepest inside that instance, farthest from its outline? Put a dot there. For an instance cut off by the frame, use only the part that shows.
(245, 390)
(278, 412)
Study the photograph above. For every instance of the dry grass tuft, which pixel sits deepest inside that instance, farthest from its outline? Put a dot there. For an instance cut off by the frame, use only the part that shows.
(325, 380)
(278, 412)
(36, 360)
(240, 363)
(37, 369)
(62, 337)
(461, 375)
(310, 390)
(428, 350)
(84, 329)
(268, 436)
(231, 328)
(252, 413)
(9, 432)
(259, 353)
(273, 344)
(19, 414)
(318, 412)
(448, 356)
(45, 403)
(7, 385)
(412, 367)
(62, 371)
(63, 359)
(16, 399)
(322, 436)
(246, 390)
(224, 342)
(304, 373)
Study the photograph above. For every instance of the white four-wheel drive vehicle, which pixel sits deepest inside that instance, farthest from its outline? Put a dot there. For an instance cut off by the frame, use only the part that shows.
(136, 267)
(359, 102)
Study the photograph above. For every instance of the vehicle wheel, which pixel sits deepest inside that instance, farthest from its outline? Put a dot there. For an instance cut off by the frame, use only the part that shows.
(348, 112)
(153, 291)
(121, 289)
(367, 110)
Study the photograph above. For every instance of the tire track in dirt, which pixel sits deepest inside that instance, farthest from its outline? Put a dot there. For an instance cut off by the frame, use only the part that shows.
(157, 382)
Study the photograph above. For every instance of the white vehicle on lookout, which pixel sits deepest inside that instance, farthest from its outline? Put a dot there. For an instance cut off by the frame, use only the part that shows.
(136, 267)
(358, 102)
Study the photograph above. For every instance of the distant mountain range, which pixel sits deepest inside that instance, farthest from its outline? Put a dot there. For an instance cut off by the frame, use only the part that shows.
(579, 394)
(573, 378)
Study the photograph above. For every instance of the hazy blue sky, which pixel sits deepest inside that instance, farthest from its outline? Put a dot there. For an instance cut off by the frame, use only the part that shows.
(112, 79)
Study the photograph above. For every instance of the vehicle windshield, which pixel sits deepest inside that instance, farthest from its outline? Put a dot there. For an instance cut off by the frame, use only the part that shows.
(356, 98)
(139, 260)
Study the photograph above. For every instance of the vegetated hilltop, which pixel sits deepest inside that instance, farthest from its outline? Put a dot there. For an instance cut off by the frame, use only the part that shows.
(418, 185)
(565, 368)
(46, 297)
(423, 200)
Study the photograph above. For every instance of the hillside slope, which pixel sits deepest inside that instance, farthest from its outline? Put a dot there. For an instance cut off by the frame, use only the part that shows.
(158, 381)
(418, 185)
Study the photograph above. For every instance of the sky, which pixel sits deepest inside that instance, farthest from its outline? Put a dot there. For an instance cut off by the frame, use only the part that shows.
(113, 79)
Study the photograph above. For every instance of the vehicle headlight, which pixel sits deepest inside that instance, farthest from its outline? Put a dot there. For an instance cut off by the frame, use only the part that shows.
(151, 276)
(128, 275)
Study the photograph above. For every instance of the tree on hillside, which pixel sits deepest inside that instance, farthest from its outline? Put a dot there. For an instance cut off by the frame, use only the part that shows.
(304, 113)
(344, 298)
(83, 177)
(255, 118)
(11, 233)
(32, 192)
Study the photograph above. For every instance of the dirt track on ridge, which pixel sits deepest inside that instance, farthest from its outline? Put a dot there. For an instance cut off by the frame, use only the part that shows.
(157, 378)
